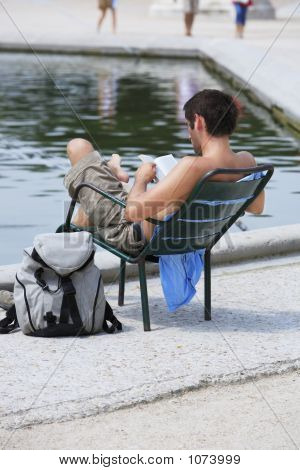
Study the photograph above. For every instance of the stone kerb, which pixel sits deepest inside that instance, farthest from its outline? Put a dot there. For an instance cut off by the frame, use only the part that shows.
(233, 248)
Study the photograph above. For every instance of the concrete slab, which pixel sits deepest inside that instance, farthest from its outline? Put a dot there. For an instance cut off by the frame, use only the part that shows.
(255, 331)
(263, 414)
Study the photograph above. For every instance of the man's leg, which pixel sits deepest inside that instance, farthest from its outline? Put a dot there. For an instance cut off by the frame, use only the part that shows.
(114, 20)
(188, 20)
(102, 16)
(241, 12)
(97, 210)
(77, 149)
(239, 32)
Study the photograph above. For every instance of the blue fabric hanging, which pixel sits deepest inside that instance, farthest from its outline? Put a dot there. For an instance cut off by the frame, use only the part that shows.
(179, 274)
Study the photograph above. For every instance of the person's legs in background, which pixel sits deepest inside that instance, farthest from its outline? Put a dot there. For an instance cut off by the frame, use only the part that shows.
(190, 11)
(114, 15)
(103, 10)
(188, 21)
(104, 5)
(241, 12)
(191, 8)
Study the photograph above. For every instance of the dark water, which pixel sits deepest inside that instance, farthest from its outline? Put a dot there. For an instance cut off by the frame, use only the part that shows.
(124, 105)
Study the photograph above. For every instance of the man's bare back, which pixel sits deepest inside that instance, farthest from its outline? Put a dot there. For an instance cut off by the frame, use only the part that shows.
(169, 194)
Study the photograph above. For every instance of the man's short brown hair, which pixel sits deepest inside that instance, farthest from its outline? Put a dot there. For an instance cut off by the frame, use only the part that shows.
(218, 110)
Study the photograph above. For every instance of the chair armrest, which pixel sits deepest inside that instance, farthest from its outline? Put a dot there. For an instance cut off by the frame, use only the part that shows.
(93, 188)
(99, 191)
(155, 221)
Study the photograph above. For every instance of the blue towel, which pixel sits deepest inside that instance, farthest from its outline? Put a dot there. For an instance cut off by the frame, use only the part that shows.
(179, 274)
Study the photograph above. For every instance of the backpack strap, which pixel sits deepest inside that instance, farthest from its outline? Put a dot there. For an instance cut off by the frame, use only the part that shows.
(69, 305)
(10, 322)
(42, 283)
(109, 316)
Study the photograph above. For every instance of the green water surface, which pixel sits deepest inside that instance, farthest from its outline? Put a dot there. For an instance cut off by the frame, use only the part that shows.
(128, 106)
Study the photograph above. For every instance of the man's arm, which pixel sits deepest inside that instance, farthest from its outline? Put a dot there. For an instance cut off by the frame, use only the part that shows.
(257, 206)
(167, 195)
(171, 192)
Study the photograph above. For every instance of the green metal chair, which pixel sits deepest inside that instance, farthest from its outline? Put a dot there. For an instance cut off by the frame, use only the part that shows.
(211, 209)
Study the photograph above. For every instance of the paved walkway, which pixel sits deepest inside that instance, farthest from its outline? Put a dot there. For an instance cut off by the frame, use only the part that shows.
(255, 332)
(263, 414)
(266, 62)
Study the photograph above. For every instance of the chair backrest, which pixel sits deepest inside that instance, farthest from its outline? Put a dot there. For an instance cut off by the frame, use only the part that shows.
(209, 211)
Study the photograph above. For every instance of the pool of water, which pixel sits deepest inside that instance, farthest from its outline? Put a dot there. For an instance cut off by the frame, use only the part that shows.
(127, 106)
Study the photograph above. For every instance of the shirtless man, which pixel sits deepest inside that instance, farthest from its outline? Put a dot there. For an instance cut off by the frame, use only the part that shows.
(211, 117)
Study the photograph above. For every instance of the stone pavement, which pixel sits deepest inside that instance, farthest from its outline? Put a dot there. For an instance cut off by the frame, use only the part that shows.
(255, 332)
(263, 414)
(266, 62)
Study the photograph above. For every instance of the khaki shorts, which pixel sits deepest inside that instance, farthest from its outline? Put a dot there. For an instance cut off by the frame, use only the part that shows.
(191, 6)
(103, 4)
(107, 217)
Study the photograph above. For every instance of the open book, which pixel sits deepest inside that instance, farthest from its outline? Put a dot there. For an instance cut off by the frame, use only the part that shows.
(164, 164)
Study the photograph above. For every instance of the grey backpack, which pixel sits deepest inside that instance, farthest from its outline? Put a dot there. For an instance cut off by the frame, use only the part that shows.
(59, 290)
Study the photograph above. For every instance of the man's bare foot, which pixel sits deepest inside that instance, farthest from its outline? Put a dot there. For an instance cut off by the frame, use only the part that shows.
(115, 166)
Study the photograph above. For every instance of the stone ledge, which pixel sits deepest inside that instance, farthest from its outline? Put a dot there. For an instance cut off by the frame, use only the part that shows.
(233, 248)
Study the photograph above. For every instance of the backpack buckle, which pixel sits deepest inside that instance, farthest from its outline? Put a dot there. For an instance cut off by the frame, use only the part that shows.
(50, 318)
(38, 277)
(68, 286)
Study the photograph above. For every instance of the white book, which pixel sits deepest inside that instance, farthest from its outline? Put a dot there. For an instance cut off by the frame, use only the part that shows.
(164, 164)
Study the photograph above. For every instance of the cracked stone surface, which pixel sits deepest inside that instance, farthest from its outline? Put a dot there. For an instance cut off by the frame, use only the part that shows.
(255, 331)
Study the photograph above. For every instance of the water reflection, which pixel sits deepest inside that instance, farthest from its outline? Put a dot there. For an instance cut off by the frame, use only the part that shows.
(125, 106)
(108, 94)
(185, 86)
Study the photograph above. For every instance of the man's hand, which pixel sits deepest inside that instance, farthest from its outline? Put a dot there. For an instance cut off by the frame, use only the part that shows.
(146, 173)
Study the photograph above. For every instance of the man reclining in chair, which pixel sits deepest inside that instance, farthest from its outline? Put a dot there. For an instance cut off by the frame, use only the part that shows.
(211, 117)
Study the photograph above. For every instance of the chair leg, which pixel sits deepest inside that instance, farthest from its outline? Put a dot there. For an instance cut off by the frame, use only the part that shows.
(144, 295)
(122, 282)
(60, 229)
(207, 286)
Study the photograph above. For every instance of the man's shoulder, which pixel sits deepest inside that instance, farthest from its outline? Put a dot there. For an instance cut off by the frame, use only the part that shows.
(193, 160)
(197, 163)
(246, 158)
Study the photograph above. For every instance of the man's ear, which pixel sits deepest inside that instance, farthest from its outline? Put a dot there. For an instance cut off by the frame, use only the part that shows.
(199, 122)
